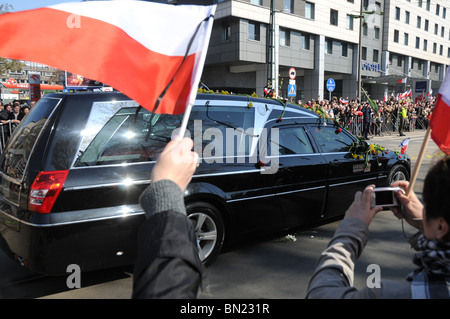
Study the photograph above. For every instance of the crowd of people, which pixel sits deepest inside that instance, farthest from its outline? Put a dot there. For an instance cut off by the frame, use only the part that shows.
(10, 116)
(392, 115)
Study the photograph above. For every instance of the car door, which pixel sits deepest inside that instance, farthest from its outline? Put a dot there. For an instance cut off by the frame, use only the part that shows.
(300, 181)
(345, 173)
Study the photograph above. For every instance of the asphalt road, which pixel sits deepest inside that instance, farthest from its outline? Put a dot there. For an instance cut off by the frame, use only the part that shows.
(276, 268)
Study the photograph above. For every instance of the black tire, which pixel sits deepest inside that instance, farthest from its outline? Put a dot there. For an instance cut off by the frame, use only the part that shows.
(397, 173)
(209, 230)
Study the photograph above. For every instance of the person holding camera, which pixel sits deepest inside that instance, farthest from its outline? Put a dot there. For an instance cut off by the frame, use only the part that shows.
(333, 275)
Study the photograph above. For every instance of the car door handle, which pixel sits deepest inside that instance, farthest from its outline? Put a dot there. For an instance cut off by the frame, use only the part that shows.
(334, 162)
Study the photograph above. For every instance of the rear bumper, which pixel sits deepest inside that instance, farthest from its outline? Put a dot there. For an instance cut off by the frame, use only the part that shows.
(92, 239)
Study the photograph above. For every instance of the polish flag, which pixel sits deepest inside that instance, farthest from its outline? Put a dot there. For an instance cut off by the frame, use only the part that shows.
(430, 92)
(404, 145)
(385, 96)
(402, 80)
(152, 52)
(439, 123)
(343, 101)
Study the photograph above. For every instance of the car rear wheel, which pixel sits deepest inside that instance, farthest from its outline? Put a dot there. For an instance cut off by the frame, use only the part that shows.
(398, 173)
(209, 230)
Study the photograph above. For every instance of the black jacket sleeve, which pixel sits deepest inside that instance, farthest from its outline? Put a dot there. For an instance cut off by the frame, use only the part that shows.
(167, 264)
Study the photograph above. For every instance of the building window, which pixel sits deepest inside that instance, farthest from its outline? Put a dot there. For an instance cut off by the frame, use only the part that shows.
(329, 46)
(441, 49)
(288, 6)
(333, 17)
(448, 53)
(407, 17)
(417, 42)
(420, 3)
(376, 32)
(344, 49)
(444, 13)
(253, 31)
(375, 56)
(364, 30)
(426, 25)
(349, 22)
(285, 37)
(396, 36)
(436, 28)
(438, 8)
(434, 47)
(405, 42)
(397, 13)
(428, 5)
(425, 44)
(304, 41)
(226, 32)
(364, 53)
(257, 2)
(309, 10)
(442, 31)
(399, 60)
(419, 21)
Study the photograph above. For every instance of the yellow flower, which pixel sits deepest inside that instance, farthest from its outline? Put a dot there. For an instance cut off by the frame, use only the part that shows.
(254, 94)
(354, 155)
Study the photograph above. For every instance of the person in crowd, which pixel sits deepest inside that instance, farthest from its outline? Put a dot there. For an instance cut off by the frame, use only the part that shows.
(367, 119)
(333, 275)
(167, 264)
(402, 116)
(15, 116)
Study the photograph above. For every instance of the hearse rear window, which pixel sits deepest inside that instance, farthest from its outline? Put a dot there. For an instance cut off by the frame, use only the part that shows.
(120, 132)
(25, 136)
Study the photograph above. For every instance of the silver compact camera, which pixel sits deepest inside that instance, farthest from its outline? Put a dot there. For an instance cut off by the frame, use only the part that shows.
(385, 197)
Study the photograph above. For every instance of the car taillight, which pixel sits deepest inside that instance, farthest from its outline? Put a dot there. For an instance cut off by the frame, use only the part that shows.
(45, 190)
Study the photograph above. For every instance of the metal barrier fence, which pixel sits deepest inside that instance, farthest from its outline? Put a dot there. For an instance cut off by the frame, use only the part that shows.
(385, 125)
(6, 130)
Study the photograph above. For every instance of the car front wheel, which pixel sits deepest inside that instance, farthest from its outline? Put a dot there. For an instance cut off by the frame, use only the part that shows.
(397, 173)
(209, 230)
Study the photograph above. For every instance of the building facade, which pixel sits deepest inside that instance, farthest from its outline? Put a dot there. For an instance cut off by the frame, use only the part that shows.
(254, 42)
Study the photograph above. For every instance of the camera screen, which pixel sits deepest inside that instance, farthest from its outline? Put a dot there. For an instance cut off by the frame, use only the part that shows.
(383, 198)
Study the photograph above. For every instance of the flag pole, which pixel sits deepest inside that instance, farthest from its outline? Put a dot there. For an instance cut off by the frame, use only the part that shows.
(185, 120)
(419, 160)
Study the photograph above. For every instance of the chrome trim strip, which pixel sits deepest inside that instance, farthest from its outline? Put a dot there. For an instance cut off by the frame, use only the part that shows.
(130, 183)
(353, 182)
(301, 190)
(275, 194)
(61, 219)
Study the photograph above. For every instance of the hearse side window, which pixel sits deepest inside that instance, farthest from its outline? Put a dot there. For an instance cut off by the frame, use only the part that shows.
(16, 155)
(293, 140)
(222, 127)
(331, 140)
(116, 134)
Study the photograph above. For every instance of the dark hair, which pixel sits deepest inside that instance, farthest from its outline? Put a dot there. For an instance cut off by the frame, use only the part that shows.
(436, 190)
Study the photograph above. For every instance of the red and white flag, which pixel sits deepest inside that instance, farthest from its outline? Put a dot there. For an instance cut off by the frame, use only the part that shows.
(152, 52)
(440, 119)
(430, 92)
(402, 80)
(404, 145)
(343, 101)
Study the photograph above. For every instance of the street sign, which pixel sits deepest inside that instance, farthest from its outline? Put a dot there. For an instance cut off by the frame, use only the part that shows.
(292, 90)
(292, 73)
(331, 85)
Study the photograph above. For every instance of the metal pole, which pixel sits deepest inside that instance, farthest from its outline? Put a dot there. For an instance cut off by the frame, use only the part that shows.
(360, 50)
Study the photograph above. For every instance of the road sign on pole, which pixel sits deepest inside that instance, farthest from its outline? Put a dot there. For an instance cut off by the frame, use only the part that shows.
(292, 90)
(331, 85)
(292, 73)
